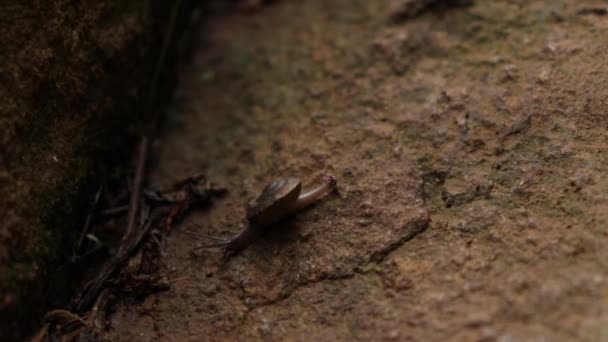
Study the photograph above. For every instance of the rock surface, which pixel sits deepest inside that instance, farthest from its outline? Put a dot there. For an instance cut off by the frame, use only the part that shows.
(469, 146)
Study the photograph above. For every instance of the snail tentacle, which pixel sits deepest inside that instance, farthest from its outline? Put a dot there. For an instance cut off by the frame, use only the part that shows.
(214, 245)
(315, 194)
(206, 236)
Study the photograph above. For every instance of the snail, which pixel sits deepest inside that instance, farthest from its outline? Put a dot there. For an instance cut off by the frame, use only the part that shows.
(278, 200)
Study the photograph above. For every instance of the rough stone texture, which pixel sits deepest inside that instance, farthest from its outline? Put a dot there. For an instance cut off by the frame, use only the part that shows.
(469, 146)
(489, 119)
(71, 83)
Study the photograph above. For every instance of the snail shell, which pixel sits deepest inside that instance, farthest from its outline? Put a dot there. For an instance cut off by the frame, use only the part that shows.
(275, 202)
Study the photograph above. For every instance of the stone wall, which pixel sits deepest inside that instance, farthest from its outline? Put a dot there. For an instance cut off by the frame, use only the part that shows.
(74, 79)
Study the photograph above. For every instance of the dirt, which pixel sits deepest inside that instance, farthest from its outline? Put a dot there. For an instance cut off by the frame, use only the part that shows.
(468, 144)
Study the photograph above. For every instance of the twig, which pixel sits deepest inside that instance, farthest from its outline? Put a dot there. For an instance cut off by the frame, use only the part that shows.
(87, 223)
(97, 314)
(163, 53)
(136, 193)
(93, 288)
(115, 210)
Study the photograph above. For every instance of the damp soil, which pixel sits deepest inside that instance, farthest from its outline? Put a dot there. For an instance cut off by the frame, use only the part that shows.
(469, 145)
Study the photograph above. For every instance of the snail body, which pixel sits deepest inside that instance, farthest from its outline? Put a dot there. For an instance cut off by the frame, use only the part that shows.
(279, 199)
